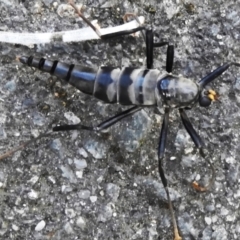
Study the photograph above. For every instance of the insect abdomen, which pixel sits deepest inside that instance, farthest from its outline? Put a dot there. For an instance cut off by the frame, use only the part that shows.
(136, 86)
(127, 86)
(83, 78)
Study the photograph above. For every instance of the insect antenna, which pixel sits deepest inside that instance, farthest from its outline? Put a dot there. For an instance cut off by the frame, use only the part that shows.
(216, 73)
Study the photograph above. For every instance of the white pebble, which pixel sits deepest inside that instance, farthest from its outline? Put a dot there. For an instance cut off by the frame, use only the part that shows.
(15, 227)
(208, 220)
(93, 199)
(40, 226)
(33, 195)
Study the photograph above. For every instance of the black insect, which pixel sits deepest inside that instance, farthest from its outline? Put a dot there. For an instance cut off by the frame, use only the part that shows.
(140, 88)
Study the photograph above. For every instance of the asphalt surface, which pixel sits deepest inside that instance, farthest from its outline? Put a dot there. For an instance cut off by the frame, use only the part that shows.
(83, 185)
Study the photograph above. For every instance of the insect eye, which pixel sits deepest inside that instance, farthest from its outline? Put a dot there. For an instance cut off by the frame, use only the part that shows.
(204, 101)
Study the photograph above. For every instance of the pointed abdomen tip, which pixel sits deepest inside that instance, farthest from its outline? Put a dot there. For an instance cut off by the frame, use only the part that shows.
(22, 59)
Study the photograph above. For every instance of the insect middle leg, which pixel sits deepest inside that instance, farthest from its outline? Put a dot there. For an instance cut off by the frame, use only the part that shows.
(161, 151)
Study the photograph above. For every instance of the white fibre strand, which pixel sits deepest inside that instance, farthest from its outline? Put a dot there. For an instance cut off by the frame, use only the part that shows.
(78, 35)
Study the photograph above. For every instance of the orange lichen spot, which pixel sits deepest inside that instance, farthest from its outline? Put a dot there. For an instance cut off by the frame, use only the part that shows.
(197, 187)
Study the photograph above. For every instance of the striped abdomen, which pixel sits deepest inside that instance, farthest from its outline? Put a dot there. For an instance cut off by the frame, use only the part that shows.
(127, 86)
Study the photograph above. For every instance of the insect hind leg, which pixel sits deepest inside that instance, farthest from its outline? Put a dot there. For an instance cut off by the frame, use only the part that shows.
(103, 125)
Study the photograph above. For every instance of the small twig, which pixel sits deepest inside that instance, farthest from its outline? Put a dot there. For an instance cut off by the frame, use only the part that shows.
(136, 18)
(71, 3)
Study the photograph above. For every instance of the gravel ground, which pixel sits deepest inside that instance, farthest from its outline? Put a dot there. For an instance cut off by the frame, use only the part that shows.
(82, 185)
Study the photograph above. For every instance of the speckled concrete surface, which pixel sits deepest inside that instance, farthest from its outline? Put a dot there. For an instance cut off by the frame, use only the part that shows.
(82, 185)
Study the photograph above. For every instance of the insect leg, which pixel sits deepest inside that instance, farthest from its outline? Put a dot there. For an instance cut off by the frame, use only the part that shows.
(216, 73)
(161, 150)
(148, 38)
(200, 145)
(149, 51)
(149, 48)
(170, 58)
(170, 54)
(23, 145)
(103, 125)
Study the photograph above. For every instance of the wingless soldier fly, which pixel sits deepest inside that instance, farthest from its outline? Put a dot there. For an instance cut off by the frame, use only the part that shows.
(138, 88)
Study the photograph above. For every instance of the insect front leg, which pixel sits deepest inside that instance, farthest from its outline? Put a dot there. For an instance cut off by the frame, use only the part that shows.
(200, 145)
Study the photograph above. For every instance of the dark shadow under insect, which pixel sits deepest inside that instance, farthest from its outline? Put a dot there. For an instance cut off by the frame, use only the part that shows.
(140, 88)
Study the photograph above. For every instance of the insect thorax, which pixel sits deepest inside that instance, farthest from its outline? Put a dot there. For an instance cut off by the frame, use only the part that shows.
(177, 91)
